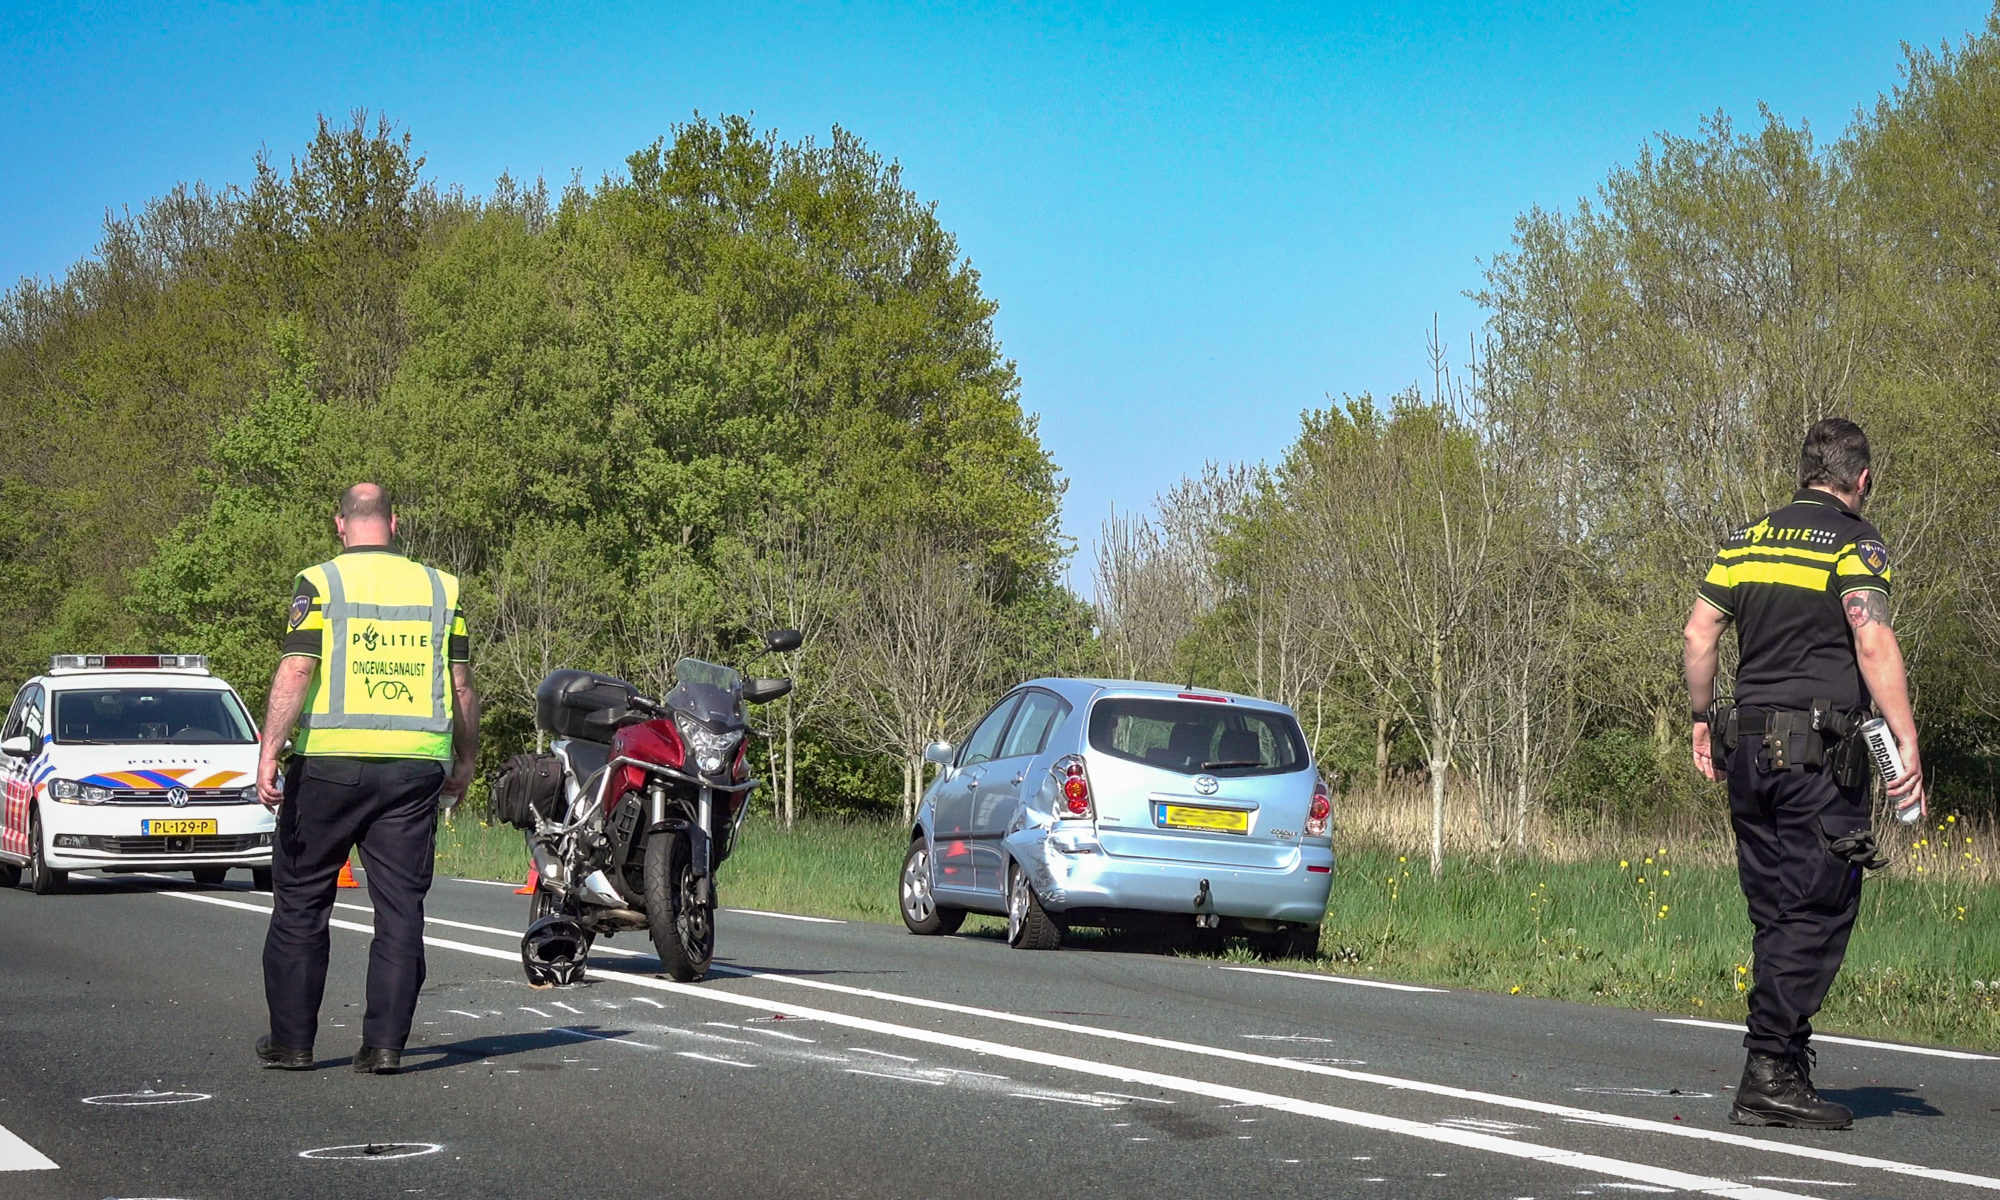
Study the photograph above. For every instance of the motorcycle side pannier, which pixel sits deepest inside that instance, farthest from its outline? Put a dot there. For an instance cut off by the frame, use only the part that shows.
(527, 784)
(564, 698)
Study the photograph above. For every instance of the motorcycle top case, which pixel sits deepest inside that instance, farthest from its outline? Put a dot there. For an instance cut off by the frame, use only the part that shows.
(527, 784)
(566, 697)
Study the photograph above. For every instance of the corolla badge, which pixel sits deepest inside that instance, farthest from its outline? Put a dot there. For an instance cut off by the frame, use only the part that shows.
(1206, 784)
(178, 797)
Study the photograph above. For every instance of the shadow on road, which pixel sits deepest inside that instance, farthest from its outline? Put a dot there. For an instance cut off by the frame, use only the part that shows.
(1882, 1102)
(499, 1045)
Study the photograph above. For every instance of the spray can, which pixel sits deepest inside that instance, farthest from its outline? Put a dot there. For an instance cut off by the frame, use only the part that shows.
(1889, 764)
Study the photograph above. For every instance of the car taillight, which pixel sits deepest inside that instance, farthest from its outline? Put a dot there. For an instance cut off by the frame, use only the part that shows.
(1321, 811)
(1075, 787)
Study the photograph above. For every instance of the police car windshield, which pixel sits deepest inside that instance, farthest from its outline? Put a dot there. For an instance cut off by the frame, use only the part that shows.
(158, 716)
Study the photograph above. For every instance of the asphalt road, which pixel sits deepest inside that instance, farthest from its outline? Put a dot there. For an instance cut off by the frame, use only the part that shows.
(831, 1059)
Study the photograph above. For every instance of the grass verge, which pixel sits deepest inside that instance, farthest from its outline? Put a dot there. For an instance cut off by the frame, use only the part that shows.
(1637, 928)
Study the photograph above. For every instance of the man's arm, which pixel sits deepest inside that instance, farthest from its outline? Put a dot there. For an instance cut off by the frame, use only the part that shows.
(1701, 653)
(464, 730)
(1880, 657)
(288, 699)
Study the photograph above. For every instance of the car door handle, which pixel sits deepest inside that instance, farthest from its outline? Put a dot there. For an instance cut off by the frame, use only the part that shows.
(1020, 777)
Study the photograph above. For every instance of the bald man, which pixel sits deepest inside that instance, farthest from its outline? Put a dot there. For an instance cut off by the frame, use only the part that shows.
(376, 679)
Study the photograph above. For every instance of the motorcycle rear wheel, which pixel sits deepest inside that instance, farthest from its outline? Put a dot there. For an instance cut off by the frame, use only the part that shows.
(682, 928)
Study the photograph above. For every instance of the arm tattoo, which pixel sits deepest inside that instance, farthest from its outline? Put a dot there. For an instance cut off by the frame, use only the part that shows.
(1865, 608)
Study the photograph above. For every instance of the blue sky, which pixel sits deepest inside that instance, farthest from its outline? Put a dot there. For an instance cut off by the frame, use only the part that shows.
(1198, 220)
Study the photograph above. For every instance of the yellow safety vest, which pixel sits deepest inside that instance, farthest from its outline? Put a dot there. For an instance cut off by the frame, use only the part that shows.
(383, 687)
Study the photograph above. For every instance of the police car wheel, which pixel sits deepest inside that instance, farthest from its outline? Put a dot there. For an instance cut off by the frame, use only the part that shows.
(46, 880)
(211, 876)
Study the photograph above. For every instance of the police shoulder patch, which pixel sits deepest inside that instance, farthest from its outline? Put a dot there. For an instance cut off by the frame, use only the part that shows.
(1873, 555)
(301, 605)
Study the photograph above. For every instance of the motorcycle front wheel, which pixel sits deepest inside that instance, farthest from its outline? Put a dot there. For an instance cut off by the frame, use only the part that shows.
(682, 927)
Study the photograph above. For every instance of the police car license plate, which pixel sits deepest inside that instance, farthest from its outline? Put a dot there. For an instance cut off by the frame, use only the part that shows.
(176, 827)
(1218, 820)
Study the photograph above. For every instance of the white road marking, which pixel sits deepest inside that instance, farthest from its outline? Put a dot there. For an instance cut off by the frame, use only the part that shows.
(897, 1078)
(372, 1151)
(1374, 983)
(600, 1037)
(727, 1062)
(1058, 1100)
(1813, 1182)
(649, 1000)
(722, 1025)
(461, 1012)
(790, 1037)
(538, 1012)
(1933, 1051)
(758, 912)
(486, 882)
(17, 1155)
(566, 1007)
(880, 1054)
(1140, 1099)
(1496, 1145)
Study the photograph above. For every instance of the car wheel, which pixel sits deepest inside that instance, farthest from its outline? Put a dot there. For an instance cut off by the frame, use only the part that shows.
(45, 879)
(211, 876)
(921, 911)
(260, 879)
(1029, 925)
(1287, 941)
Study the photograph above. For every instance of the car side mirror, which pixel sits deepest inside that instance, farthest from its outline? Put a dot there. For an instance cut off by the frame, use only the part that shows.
(19, 746)
(783, 641)
(940, 753)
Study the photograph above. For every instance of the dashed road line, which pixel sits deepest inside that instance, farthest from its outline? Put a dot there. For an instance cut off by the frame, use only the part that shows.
(1373, 983)
(758, 912)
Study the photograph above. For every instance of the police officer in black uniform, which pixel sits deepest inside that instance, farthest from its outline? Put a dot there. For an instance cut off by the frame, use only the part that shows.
(1808, 591)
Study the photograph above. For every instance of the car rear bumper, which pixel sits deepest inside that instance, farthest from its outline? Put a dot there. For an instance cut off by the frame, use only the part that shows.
(1070, 870)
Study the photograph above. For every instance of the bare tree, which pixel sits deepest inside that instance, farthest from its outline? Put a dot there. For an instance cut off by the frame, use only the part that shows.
(798, 573)
(922, 639)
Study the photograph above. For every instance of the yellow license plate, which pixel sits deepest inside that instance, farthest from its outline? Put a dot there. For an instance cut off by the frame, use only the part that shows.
(176, 827)
(1221, 820)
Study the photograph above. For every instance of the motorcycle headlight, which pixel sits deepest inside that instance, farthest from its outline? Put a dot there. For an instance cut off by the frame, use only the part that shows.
(69, 791)
(711, 750)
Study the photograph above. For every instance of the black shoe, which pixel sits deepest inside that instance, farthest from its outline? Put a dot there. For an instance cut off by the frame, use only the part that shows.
(1775, 1091)
(372, 1060)
(283, 1058)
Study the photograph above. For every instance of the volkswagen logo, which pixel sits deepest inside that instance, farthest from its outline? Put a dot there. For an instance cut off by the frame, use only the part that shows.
(178, 797)
(1206, 784)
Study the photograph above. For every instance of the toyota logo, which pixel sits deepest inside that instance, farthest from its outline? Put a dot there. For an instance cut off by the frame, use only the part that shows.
(1206, 784)
(178, 797)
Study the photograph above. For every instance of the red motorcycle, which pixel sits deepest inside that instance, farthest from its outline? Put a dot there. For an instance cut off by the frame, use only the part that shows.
(637, 805)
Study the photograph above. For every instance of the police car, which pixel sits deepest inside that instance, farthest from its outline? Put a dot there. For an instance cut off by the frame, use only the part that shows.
(130, 762)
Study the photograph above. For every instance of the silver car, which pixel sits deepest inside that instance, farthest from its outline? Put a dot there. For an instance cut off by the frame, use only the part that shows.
(1114, 803)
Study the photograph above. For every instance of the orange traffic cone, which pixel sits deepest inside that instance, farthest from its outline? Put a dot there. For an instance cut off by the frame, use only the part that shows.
(528, 888)
(347, 875)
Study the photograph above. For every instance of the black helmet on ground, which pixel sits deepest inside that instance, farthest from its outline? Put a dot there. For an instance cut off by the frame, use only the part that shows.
(553, 951)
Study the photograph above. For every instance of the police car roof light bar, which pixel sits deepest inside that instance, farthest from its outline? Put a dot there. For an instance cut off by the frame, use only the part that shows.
(129, 662)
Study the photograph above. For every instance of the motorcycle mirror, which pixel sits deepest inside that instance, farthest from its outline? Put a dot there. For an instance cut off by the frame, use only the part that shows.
(783, 641)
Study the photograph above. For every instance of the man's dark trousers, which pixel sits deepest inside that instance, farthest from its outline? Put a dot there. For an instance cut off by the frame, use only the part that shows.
(1803, 898)
(387, 807)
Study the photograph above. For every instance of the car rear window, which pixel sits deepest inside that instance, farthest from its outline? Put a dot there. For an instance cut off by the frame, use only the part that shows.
(177, 716)
(1197, 737)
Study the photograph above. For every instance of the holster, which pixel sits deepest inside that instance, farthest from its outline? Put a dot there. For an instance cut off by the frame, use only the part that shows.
(1790, 740)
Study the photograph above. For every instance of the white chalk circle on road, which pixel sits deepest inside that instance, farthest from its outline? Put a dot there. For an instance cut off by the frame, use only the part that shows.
(371, 1151)
(142, 1099)
(1646, 1093)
